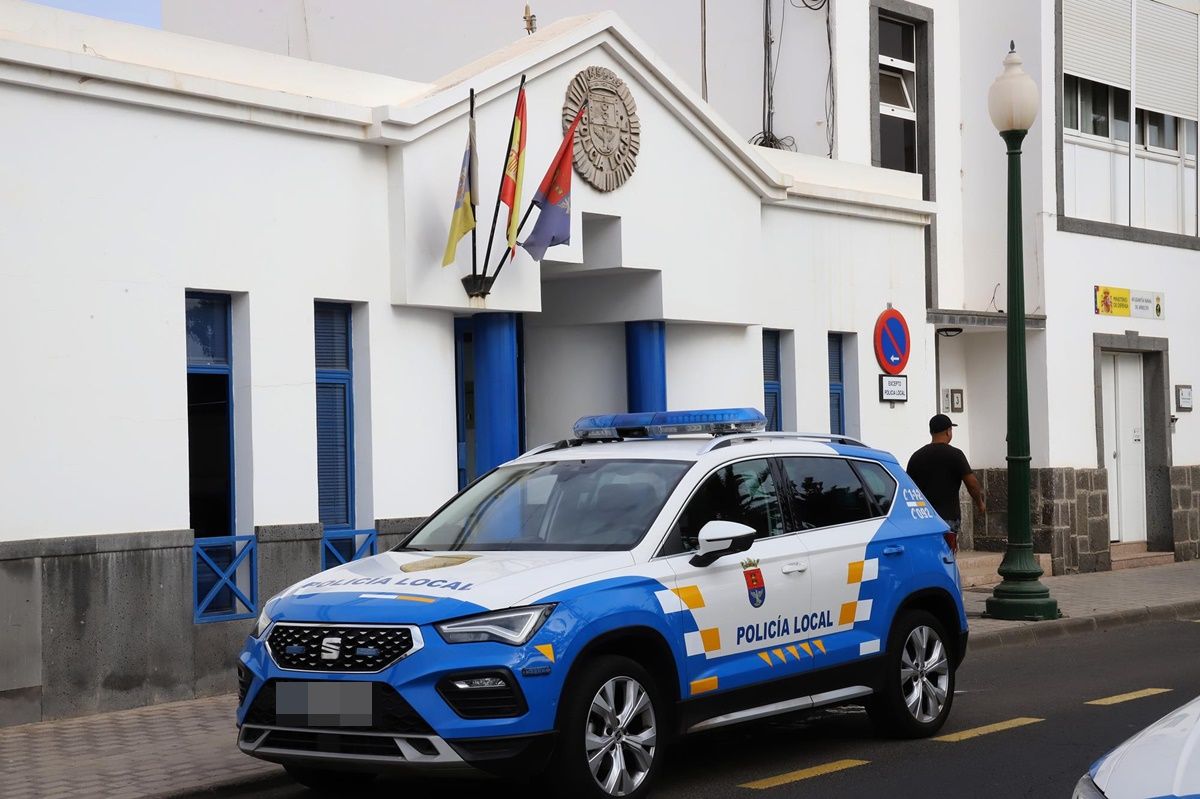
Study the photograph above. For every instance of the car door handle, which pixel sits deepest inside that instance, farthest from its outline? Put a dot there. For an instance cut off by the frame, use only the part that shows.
(795, 567)
(895, 549)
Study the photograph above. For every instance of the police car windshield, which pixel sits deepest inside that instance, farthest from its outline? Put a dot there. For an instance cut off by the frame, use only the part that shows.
(558, 505)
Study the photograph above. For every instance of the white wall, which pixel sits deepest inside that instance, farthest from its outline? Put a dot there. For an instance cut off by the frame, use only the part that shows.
(104, 234)
(410, 39)
(714, 366)
(570, 371)
(1080, 262)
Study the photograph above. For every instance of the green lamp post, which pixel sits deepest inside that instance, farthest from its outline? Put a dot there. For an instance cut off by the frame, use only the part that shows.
(1013, 106)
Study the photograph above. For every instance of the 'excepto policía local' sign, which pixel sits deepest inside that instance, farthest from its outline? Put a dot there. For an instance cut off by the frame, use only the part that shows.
(893, 388)
(892, 342)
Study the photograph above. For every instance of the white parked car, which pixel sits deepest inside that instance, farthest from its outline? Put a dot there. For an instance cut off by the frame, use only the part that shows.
(1160, 762)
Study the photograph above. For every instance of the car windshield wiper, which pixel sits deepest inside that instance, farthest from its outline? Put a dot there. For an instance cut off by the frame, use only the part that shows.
(399, 548)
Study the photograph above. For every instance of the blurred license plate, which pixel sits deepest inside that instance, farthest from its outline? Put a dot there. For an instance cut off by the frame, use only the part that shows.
(323, 704)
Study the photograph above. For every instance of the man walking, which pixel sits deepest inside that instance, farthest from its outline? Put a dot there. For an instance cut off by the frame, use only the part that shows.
(939, 469)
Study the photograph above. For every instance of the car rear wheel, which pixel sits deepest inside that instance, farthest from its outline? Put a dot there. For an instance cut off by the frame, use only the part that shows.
(329, 781)
(918, 679)
(610, 731)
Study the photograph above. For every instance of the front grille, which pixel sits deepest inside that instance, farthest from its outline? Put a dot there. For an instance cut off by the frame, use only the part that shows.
(338, 648)
(389, 711)
(484, 703)
(332, 743)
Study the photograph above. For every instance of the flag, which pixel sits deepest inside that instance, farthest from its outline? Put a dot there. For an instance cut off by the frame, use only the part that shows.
(462, 221)
(514, 170)
(553, 199)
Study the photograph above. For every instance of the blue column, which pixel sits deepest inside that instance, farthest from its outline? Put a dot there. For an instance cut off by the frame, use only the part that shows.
(646, 366)
(497, 405)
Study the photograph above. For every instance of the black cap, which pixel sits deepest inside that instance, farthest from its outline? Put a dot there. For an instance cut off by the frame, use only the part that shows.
(939, 423)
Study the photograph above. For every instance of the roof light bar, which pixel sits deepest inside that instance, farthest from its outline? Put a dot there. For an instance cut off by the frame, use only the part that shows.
(667, 423)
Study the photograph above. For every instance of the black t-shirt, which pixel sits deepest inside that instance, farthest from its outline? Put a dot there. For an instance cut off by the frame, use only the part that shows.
(938, 470)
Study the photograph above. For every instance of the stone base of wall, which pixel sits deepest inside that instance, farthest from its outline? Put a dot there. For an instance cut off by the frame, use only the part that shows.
(105, 622)
(1185, 511)
(1069, 510)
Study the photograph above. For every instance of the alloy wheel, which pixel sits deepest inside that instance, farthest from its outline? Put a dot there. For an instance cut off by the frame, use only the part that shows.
(620, 736)
(924, 674)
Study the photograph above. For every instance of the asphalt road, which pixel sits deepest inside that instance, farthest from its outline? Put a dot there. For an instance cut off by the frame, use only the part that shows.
(835, 753)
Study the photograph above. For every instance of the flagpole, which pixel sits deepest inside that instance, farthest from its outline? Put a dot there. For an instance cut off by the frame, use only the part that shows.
(508, 252)
(474, 204)
(500, 190)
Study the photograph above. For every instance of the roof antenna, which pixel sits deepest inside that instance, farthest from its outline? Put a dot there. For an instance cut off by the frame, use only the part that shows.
(530, 21)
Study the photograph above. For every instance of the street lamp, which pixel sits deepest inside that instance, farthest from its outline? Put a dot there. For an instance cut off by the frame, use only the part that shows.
(1013, 106)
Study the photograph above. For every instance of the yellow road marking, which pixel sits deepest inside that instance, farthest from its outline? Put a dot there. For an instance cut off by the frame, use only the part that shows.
(1119, 698)
(987, 729)
(803, 774)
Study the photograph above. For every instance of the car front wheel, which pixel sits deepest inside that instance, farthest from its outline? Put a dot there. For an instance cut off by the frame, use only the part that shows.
(918, 679)
(610, 731)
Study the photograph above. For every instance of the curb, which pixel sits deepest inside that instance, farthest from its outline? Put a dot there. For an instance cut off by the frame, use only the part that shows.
(1035, 632)
(235, 787)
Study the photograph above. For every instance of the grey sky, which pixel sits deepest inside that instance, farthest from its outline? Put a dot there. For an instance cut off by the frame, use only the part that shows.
(139, 12)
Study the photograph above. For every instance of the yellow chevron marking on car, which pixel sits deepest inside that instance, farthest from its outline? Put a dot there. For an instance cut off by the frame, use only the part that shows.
(847, 614)
(711, 639)
(803, 774)
(766, 658)
(779, 654)
(807, 649)
(820, 645)
(987, 729)
(792, 649)
(547, 650)
(411, 598)
(691, 596)
(1129, 697)
(704, 685)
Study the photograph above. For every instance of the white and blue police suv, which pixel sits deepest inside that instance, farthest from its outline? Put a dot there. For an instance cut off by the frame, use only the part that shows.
(572, 611)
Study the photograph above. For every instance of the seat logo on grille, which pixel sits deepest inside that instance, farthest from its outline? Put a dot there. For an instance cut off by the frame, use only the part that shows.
(331, 648)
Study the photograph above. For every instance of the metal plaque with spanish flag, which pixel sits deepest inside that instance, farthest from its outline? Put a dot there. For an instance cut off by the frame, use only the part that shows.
(553, 199)
(514, 170)
(462, 221)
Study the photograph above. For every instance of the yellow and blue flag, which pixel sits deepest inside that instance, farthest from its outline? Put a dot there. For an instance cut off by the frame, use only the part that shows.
(462, 221)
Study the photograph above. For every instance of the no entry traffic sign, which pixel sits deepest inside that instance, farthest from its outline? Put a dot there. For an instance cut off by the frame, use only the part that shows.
(892, 342)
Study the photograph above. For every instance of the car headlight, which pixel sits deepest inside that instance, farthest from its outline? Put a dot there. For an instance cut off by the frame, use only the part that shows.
(260, 626)
(1086, 789)
(514, 626)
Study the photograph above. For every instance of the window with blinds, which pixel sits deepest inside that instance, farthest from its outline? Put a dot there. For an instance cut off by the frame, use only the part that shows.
(772, 387)
(1167, 51)
(1097, 40)
(837, 387)
(335, 425)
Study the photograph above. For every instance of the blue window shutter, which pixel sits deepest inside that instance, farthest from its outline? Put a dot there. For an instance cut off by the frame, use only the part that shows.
(332, 325)
(333, 456)
(772, 390)
(837, 395)
(335, 415)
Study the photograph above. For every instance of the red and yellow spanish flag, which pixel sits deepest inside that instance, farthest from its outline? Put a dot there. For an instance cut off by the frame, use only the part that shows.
(462, 221)
(514, 170)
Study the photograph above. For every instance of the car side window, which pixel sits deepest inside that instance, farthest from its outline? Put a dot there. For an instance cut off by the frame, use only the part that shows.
(880, 484)
(742, 492)
(824, 492)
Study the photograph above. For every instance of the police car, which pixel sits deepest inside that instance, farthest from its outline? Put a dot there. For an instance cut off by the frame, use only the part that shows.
(1160, 761)
(574, 610)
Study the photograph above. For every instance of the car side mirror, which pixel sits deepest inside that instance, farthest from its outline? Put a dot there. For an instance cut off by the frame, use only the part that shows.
(719, 538)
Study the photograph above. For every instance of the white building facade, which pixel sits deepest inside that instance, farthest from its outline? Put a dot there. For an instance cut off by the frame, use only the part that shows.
(238, 354)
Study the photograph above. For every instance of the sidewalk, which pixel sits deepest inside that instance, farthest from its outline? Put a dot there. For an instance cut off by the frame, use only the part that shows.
(181, 747)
